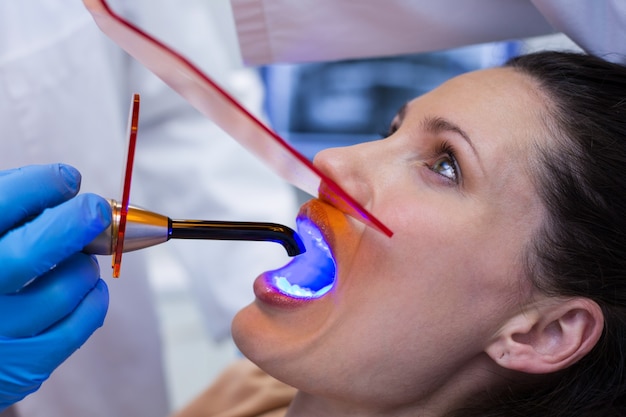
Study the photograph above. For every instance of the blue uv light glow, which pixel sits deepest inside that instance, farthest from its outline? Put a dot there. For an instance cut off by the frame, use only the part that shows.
(312, 274)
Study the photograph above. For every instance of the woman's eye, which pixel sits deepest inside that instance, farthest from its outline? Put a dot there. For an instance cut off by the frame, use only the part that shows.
(447, 167)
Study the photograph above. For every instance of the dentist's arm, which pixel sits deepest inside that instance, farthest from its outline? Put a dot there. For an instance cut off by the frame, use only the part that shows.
(275, 31)
(51, 295)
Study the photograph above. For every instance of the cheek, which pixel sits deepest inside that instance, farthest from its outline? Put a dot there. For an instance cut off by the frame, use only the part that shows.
(445, 255)
(425, 301)
(435, 262)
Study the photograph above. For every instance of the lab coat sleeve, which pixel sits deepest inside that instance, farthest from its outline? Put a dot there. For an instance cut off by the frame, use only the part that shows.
(274, 31)
(598, 27)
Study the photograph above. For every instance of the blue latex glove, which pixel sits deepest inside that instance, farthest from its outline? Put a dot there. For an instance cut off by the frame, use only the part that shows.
(51, 295)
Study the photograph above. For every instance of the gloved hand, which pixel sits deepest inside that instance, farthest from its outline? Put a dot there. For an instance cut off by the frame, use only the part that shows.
(51, 295)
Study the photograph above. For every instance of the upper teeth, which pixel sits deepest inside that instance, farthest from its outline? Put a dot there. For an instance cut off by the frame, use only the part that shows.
(287, 288)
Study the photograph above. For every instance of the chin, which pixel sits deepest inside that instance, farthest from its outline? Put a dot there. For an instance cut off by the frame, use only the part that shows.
(259, 341)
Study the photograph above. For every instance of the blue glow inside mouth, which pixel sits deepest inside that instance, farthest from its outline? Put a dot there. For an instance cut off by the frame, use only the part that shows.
(311, 274)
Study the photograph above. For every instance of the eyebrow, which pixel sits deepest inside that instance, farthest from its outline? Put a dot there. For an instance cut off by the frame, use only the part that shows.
(436, 124)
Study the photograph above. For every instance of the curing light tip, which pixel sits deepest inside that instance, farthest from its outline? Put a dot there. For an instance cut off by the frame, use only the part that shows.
(222, 230)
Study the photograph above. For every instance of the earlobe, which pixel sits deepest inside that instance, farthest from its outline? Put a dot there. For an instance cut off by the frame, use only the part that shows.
(548, 336)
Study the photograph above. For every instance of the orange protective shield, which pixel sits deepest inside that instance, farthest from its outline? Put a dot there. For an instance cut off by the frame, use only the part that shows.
(215, 103)
(133, 122)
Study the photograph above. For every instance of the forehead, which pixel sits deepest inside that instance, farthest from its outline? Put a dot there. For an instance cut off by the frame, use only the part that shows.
(498, 108)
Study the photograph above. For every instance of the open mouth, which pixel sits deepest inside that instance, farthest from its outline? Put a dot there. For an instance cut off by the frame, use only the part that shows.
(312, 274)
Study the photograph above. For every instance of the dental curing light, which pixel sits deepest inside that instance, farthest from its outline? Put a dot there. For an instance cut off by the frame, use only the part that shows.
(144, 228)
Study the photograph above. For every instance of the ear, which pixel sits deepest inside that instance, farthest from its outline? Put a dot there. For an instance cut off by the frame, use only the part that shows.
(549, 335)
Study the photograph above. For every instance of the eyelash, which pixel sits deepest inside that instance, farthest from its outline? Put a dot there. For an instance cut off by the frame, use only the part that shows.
(445, 149)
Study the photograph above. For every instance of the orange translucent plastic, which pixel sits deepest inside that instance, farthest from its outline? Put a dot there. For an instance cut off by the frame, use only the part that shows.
(220, 107)
(133, 122)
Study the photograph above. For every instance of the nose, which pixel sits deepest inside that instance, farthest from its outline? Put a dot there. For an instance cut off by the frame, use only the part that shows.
(351, 168)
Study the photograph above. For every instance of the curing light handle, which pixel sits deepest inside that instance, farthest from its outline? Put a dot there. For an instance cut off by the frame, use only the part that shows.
(145, 228)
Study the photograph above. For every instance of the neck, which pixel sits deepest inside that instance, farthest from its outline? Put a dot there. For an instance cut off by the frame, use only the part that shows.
(451, 395)
(308, 405)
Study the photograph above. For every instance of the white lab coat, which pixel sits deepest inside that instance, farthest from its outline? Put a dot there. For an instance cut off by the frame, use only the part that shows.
(64, 96)
(273, 31)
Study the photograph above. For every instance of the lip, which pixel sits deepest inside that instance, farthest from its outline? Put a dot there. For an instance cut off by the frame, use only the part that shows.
(268, 294)
(316, 212)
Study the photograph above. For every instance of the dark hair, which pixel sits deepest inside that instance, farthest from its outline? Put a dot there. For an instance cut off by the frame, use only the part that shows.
(580, 249)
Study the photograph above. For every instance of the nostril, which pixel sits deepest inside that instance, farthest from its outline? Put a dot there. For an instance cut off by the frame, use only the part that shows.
(344, 167)
(349, 177)
(325, 161)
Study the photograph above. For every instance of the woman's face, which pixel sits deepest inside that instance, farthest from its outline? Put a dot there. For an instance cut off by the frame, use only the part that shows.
(408, 314)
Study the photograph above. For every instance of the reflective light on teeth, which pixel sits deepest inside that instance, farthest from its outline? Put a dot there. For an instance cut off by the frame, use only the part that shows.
(312, 274)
